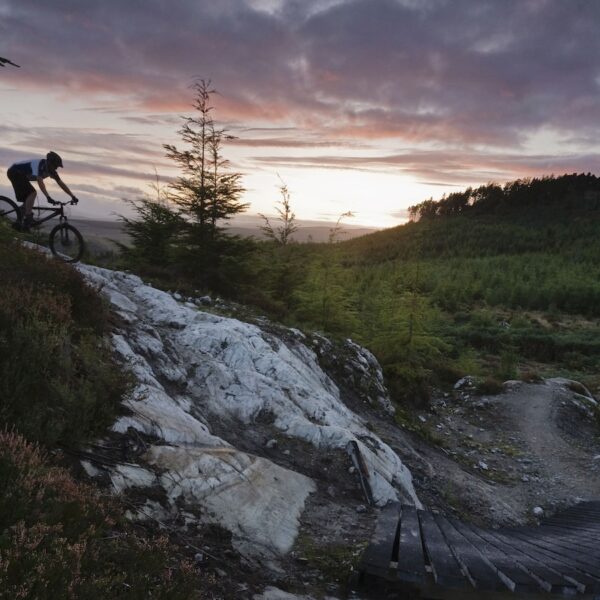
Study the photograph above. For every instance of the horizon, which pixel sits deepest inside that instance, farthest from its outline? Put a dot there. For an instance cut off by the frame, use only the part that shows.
(357, 106)
(254, 221)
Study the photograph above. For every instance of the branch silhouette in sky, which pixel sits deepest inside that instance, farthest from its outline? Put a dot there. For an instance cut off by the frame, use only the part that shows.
(5, 61)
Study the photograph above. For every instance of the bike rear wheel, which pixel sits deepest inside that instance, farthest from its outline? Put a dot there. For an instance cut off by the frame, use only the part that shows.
(66, 243)
(9, 211)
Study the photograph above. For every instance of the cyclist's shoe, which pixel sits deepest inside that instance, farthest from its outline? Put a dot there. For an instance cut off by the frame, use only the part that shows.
(28, 223)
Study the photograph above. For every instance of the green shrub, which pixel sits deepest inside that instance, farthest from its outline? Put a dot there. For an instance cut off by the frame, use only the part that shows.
(489, 386)
(530, 376)
(61, 540)
(58, 380)
(507, 369)
(408, 383)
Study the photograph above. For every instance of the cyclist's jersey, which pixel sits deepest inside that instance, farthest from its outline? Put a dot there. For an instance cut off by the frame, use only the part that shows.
(33, 169)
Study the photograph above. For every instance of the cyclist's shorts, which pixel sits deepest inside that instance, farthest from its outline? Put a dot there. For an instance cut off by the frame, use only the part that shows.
(20, 184)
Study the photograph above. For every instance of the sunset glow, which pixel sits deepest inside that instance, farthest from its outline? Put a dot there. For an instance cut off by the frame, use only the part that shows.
(360, 105)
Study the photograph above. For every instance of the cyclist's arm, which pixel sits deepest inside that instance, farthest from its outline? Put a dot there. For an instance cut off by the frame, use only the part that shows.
(63, 185)
(42, 185)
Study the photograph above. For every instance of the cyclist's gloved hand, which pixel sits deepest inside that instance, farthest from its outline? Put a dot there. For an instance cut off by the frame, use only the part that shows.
(51, 201)
(74, 200)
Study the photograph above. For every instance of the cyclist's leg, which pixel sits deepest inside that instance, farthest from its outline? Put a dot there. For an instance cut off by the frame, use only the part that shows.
(29, 201)
(24, 191)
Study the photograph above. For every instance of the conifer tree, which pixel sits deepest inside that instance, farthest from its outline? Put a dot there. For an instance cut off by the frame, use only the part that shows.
(284, 270)
(155, 231)
(281, 234)
(207, 192)
(325, 300)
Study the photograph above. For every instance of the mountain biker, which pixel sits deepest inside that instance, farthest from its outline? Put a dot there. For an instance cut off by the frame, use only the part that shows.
(22, 173)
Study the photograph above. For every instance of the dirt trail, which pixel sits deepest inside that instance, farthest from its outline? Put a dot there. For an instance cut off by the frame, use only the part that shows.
(565, 458)
(497, 457)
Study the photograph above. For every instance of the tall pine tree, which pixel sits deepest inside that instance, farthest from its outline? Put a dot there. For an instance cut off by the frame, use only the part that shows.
(206, 193)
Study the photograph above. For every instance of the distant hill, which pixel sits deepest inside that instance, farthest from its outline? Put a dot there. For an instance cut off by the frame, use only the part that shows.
(505, 281)
(552, 215)
(100, 235)
(546, 196)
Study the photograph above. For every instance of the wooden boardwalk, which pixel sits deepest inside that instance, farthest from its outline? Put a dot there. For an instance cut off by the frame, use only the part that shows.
(440, 557)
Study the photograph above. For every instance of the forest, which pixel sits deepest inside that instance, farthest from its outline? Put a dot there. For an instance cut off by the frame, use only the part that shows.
(495, 291)
(495, 281)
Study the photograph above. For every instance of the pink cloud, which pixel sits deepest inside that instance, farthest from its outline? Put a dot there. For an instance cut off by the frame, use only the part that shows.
(420, 73)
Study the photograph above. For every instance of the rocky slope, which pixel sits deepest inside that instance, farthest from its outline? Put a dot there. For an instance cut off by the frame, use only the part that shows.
(249, 439)
(239, 426)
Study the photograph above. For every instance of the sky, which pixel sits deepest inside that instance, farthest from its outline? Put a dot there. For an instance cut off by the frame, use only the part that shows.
(362, 105)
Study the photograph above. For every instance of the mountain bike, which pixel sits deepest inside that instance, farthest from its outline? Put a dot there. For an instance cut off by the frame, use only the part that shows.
(65, 240)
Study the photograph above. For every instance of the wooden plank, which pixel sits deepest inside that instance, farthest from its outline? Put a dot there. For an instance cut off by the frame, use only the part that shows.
(480, 573)
(592, 508)
(558, 540)
(548, 578)
(587, 539)
(581, 528)
(562, 555)
(446, 570)
(583, 515)
(564, 538)
(569, 569)
(514, 576)
(580, 560)
(411, 560)
(361, 468)
(380, 552)
(558, 532)
(591, 516)
(575, 521)
(582, 507)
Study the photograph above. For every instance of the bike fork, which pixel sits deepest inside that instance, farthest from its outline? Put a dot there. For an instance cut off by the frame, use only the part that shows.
(64, 233)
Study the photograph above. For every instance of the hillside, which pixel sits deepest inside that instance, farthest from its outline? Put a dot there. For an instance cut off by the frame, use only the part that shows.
(514, 281)
(497, 281)
(560, 219)
(60, 386)
(263, 452)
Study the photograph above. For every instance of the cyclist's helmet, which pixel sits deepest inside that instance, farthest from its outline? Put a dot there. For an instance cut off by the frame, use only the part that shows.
(53, 161)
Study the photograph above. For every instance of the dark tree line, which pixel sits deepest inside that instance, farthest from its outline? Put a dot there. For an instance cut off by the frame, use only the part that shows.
(567, 192)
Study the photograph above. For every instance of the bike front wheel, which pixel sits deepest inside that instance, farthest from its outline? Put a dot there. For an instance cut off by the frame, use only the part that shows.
(66, 243)
(9, 211)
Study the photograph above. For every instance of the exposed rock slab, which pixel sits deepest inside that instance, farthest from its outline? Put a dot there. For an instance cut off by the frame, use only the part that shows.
(195, 369)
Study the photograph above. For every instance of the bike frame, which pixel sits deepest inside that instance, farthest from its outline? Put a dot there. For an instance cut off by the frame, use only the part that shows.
(54, 212)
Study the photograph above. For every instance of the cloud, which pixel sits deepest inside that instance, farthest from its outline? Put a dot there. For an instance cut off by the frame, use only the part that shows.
(435, 69)
(400, 214)
(448, 168)
(117, 192)
(335, 73)
(99, 168)
(307, 142)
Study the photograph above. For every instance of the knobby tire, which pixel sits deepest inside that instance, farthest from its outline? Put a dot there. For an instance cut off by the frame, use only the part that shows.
(9, 210)
(66, 243)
